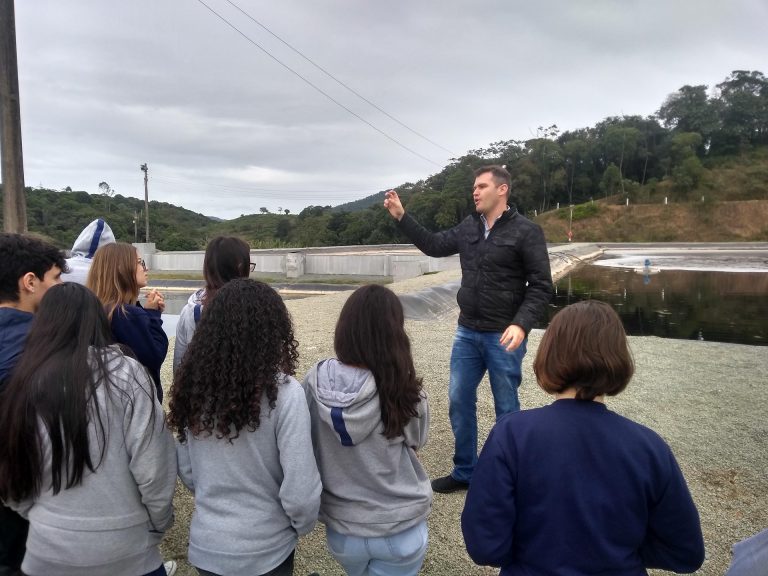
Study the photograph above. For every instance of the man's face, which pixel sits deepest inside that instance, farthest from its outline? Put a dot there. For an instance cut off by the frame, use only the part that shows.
(487, 194)
(50, 278)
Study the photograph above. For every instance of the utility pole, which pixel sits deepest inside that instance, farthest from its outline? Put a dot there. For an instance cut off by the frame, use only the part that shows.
(14, 201)
(146, 200)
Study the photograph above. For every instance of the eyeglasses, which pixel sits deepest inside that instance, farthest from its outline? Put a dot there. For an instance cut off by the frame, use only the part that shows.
(252, 266)
(141, 263)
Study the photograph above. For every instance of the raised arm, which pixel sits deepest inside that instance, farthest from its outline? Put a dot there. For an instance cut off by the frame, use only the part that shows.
(437, 245)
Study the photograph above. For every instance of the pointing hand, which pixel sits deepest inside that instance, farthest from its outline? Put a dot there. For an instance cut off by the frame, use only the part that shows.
(393, 204)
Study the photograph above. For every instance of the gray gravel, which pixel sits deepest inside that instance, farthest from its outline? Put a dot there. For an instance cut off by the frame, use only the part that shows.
(708, 400)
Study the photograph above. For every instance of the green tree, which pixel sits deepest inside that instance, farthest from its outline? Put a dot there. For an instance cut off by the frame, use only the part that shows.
(106, 191)
(282, 229)
(743, 105)
(687, 175)
(545, 159)
(687, 169)
(611, 181)
(684, 145)
(690, 110)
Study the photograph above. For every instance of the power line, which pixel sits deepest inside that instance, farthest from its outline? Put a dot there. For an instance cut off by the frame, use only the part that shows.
(307, 81)
(324, 71)
(266, 192)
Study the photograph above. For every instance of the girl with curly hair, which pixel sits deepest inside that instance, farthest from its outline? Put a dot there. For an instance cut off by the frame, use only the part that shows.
(85, 454)
(244, 445)
(116, 276)
(226, 258)
(369, 417)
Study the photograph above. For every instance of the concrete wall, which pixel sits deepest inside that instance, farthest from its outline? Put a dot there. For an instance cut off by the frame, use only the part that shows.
(348, 264)
(397, 261)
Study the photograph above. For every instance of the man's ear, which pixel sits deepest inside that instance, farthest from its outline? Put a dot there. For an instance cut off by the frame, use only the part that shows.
(28, 283)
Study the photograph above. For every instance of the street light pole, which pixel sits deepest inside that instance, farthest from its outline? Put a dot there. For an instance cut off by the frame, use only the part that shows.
(146, 201)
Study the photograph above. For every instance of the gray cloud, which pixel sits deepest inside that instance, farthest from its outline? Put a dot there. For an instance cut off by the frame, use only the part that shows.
(107, 86)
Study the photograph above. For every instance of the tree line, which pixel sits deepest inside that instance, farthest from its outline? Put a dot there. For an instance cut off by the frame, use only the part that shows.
(672, 154)
(60, 216)
(668, 155)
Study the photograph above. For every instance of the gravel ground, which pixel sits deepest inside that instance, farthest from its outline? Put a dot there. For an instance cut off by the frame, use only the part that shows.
(708, 400)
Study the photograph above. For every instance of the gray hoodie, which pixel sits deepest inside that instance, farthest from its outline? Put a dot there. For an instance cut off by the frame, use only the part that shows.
(255, 495)
(372, 486)
(95, 235)
(112, 522)
(185, 328)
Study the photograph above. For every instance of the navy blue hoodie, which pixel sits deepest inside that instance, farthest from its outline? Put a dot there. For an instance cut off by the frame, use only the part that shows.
(14, 327)
(141, 329)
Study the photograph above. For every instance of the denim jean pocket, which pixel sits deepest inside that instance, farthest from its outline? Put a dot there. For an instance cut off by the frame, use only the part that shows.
(335, 541)
(408, 543)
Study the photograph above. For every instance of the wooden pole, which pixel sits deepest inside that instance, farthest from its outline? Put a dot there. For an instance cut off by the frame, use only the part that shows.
(14, 201)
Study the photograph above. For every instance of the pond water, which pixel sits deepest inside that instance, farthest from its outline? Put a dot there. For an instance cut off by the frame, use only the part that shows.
(694, 304)
(718, 295)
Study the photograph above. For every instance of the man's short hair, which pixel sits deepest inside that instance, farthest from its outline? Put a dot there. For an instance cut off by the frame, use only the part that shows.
(499, 173)
(19, 255)
(584, 347)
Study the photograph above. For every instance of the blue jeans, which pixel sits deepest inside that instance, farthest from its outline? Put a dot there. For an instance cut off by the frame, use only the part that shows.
(398, 555)
(285, 568)
(473, 353)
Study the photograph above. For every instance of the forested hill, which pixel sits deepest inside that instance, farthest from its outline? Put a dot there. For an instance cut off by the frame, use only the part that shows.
(703, 146)
(61, 216)
(372, 200)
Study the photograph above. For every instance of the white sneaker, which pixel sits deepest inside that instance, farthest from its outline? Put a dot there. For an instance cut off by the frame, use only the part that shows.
(170, 567)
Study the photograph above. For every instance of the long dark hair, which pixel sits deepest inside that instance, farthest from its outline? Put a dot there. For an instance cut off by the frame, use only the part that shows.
(371, 333)
(226, 258)
(244, 341)
(64, 360)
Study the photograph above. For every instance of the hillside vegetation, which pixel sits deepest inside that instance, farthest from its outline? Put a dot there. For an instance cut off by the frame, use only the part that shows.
(736, 221)
(700, 150)
(59, 216)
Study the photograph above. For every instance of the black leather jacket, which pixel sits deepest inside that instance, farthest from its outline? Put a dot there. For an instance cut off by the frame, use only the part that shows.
(505, 278)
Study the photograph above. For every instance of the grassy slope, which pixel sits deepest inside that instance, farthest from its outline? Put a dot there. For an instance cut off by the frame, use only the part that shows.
(695, 222)
(735, 208)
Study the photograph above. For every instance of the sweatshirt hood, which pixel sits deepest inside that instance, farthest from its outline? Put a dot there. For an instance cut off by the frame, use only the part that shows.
(197, 297)
(96, 234)
(347, 400)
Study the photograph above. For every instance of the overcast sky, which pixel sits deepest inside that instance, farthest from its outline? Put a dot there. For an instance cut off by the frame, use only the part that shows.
(225, 129)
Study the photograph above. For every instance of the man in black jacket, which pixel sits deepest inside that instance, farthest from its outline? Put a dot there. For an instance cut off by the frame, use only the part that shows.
(506, 284)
